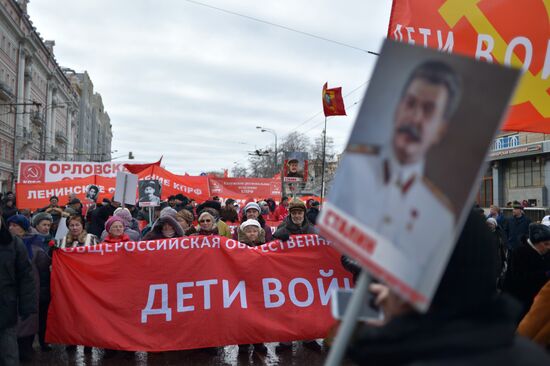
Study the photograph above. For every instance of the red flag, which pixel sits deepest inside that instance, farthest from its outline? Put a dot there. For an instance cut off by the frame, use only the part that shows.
(333, 103)
(136, 168)
(225, 173)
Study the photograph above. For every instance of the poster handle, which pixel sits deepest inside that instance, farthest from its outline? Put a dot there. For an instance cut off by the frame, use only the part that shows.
(346, 328)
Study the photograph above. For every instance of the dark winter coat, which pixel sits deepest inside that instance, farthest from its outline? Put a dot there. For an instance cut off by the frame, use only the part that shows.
(517, 229)
(17, 287)
(287, 228)
(527, 273)
(483, 336)
(8, 212)
(156, 231)
(97, 217)
(312, 214)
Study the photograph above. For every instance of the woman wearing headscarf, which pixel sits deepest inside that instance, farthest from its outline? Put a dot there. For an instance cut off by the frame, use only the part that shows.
(77, 236)
(127, 218)
(165, 227)
(115, 230)
(185, 219)
(252, 211)
(251, 233)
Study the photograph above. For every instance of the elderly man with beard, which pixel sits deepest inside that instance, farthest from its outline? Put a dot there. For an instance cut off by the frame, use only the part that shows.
(403, 205)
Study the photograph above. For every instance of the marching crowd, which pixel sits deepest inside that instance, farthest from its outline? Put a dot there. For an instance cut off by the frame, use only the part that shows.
(27, 241)
(504, 256)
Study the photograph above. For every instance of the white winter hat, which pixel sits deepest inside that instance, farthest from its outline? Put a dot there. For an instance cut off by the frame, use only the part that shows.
(250, 222)
(253, 205)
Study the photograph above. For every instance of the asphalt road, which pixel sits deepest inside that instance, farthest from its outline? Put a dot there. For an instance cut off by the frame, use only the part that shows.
(229, 355)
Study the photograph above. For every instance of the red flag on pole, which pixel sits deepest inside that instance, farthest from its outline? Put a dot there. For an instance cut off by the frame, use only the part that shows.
(333, 103)
(136, 168)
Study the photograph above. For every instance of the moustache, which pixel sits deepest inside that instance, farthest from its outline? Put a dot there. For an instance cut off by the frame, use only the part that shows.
(411, 131)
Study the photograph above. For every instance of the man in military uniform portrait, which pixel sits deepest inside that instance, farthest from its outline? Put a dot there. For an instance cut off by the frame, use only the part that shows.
(396, 199)
(292, 170)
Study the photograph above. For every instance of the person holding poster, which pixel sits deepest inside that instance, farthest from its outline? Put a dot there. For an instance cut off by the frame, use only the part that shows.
(92, 192)
(399, 196)
(295, 167)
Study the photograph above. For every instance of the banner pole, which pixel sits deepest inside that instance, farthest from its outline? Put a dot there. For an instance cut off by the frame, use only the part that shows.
(346, 328)
(323, 164)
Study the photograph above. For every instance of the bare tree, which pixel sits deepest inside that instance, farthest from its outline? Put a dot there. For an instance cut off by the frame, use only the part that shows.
(239, 171)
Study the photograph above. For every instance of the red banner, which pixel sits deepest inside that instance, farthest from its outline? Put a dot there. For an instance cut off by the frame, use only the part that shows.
(195, 187)
(37, 195)
(243, 189)
(193, 292)
(507, 32)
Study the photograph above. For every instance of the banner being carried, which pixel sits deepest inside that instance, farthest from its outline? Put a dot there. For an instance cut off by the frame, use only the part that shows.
(193, 292)
(507, 32)
(242, 189)
(45, 171)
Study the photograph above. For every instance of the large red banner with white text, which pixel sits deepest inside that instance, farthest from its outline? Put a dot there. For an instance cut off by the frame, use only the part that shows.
(507, 32)
(43, 171)
(193, 292)
(242, 189)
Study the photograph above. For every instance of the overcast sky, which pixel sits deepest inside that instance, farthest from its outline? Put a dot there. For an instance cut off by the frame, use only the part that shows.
(192, 83)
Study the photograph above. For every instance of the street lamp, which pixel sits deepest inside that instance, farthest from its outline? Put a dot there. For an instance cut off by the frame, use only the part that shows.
(263, 129)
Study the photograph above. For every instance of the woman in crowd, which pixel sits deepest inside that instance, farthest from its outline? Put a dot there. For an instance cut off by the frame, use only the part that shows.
(251, 233)
(42, 223)
(185, 219)
(127, 218)
(115, 230)
(8, 209)
(26, 329)
(165, 227)
(228, 214)
(77, 236)
(252, 212)
(207, 224)
(213, 207)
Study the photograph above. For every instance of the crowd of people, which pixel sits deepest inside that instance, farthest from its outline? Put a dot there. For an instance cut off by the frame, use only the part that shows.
(27, 240)
(507, 258)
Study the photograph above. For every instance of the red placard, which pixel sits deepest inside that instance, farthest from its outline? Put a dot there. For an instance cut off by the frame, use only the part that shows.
(243, 189)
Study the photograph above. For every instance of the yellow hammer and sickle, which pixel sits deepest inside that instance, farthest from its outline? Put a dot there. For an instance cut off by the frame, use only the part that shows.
(531, 87)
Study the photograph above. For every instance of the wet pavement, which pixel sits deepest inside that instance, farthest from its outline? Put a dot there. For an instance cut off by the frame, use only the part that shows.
(228, 355)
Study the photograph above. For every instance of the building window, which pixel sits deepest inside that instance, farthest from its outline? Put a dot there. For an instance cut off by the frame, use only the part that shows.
(526, 173)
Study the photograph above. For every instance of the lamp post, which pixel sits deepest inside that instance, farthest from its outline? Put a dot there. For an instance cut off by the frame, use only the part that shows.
(263, 129)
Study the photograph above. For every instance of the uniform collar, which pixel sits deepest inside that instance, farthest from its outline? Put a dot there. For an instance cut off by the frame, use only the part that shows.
(402, 175)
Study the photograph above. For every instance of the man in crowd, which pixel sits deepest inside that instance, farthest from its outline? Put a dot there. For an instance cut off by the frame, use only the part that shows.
(17, 292)
(296, 223)
(494, 212)
(517, 227)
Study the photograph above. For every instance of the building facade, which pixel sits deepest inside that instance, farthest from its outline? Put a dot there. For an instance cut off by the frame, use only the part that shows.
(518, 169)
(40, 102)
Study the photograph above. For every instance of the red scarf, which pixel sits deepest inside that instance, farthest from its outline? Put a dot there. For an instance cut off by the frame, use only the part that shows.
(110, 239)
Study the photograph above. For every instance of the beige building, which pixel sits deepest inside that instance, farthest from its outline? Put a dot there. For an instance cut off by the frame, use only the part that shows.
(40, 104)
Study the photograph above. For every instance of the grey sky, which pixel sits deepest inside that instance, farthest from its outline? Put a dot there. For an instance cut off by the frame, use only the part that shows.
(192, 83)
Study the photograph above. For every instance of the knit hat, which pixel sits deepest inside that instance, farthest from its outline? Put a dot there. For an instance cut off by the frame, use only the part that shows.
(250, 222)
(546, 220)
(253, 205)
(469, 279)
(168, 211)
(186, 215)
(539, 233)
(492, 221)
(296, 204)
(211, 204)
(41, 216)
(112, 220)
(124, 214)
(21, 221)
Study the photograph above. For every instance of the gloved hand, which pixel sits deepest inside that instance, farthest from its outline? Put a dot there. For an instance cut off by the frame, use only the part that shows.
(283, 237)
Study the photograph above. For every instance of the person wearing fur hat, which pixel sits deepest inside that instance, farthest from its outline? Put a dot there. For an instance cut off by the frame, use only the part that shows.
(115, 230)
(77, 236)
(467, 323)
(251, 233)
(127, 219)
(207, 224)
(295, 223)
(165, 227)
(536, 324)
(529, 268)
(19, 227)
(41, 225)
(185, 218)
(252, 211)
